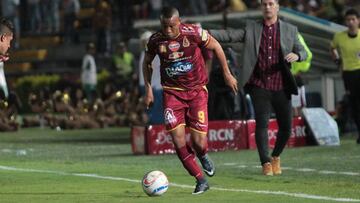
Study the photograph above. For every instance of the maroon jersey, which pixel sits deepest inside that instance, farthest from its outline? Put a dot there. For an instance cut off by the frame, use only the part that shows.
(182, 64)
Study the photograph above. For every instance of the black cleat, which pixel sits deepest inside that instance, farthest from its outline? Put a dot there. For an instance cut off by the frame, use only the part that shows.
(207, 165)
(358, 140)
(201, 188)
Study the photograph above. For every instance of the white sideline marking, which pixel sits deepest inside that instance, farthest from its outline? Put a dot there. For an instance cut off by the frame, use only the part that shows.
(298, 195)
(325, 172)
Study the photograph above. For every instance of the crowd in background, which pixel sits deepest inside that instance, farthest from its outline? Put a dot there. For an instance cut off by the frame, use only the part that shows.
(54, 16)
(119, 101)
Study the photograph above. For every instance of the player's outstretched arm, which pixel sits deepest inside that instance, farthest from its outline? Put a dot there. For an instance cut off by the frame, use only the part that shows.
(230, 80)
(147, 72)
(228, 36)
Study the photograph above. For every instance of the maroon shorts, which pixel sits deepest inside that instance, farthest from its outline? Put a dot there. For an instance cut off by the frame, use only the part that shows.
(186, 107)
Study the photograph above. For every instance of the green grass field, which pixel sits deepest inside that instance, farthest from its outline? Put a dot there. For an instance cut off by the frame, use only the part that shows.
(43, 165)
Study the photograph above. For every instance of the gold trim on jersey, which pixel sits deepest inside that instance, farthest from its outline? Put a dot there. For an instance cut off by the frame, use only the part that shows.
(199, 131)
(174, 88)
(172, 129)
(208, 40)
(182, 89)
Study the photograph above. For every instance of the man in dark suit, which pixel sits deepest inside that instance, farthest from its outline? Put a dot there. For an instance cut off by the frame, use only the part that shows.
(270, 45)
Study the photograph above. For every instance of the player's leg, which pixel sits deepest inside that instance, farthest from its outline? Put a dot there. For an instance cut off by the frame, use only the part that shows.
(184, 152)
(197, 118)
(174, 115)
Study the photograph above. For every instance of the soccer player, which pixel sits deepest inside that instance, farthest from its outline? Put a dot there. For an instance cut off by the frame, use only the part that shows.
(183, 77)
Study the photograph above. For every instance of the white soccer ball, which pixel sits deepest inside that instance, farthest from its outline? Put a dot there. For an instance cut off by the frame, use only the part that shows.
(155, 183)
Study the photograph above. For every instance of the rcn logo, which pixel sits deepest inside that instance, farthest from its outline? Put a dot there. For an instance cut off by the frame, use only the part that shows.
(179, 68)
(218, 135)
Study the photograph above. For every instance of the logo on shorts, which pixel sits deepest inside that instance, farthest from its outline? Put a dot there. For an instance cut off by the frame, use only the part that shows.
(169, 116)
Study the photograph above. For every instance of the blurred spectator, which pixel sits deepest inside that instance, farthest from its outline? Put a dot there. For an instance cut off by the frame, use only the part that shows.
(102, 22)
(299, 101)
(54, 15)
(123, 66)
(11, 11)
(155, 113)
(8, 112)
(236, 5)
(198, 7)
(125, 16)
(253, 4)
(88, 72)
(216, 5)
(50, 15)
(71, 9)
(329, 9)
(140, 9)
(34, 15)
(155, 7)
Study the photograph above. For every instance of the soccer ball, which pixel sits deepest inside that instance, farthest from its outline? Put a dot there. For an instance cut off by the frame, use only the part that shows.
(155, 183)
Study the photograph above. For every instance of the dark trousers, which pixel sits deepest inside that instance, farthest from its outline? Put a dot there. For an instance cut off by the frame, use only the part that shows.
(264, 101)
(352, 83)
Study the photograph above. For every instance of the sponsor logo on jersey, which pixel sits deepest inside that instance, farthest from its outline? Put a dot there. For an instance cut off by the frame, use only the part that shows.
(178, 68)
(174, 46)
(175, 55)
(186, 42)
(169, 116)
(162, 48)
(187, 29)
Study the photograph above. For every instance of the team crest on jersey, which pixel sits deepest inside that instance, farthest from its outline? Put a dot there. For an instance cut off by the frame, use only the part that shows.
(169, 116)
(174, 46)
(186, 42)
(162, 48)
(175, 55)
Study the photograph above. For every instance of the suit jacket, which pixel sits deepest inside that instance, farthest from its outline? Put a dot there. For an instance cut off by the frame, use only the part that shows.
(251, 37)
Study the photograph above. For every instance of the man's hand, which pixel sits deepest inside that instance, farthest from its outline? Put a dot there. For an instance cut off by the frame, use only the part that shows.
(292, 57)
(4, 57)
(231, 82)
(149, 98)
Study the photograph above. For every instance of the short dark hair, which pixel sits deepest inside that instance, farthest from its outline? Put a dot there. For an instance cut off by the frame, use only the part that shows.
(6, 26)
(352, 11)
(168, 12)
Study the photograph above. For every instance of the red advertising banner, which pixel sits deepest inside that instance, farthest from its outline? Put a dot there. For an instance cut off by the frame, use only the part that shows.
(297, 138)
(138, 139)
(222, 135)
